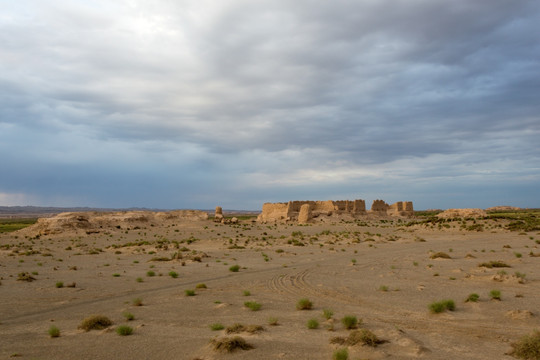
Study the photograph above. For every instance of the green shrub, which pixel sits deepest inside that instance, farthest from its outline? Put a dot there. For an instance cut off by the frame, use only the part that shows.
(350, 322)
(273, 321)
(116, 275)
(312, 324)
(95, 322)
(200, 286)
(59, 284)
(173, 274)
(234, 268)
(304, 304)
(246, 293)
(440, 306)
(254, 306)
(124, 330)
(129, 316)
(216, 327)
(150, 273)
(528, 347)
(341, 354)
(139, 279)
(54, 331)
(327, 313)
(472, 297)
(189, 292)
(495, 294)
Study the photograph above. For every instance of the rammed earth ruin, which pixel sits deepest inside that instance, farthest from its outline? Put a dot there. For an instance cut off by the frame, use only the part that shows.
(306, 211)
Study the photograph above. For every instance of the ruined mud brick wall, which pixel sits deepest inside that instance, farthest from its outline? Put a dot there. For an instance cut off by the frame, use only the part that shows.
(401, 208)
(379, 206)
(292, 209)
(273, 212)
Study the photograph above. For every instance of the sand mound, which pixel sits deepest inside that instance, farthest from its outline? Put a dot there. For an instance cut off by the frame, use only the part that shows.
(95, 222)
(519, 314)
(502, 208)
(462, 213)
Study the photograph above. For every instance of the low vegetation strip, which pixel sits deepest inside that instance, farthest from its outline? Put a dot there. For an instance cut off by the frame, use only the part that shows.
(10, 225)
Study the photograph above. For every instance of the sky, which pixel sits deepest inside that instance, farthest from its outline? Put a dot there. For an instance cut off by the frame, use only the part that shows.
(197, 103)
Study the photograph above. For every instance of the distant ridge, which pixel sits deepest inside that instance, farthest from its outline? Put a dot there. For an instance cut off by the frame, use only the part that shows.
(48, 211)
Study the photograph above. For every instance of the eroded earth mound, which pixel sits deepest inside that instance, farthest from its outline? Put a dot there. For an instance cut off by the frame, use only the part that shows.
(95, 222)
(462, 213)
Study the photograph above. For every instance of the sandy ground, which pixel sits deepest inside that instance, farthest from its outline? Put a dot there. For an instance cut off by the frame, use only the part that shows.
(380, 272)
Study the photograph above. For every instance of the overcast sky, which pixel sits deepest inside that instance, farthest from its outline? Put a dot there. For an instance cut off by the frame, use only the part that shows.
(193, 104)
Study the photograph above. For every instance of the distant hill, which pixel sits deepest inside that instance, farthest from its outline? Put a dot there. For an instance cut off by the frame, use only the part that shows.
(48, 211)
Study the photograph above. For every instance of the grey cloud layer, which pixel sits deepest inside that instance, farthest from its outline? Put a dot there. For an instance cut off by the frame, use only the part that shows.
(358, 83)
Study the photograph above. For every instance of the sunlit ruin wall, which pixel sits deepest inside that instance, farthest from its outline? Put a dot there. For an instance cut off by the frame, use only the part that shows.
(306, 211)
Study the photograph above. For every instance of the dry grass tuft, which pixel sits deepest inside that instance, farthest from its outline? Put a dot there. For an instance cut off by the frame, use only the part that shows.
(24, 276)
(95, 322)
(230, 344)
(239, 328)
(494, 264)
(440, 255)
(528, 347)
(362, 336)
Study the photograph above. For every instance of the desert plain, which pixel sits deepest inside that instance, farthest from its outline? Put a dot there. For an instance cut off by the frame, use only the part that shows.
(186, 283)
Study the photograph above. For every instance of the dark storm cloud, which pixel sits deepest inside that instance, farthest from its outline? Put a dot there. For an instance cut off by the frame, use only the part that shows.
(347, 92)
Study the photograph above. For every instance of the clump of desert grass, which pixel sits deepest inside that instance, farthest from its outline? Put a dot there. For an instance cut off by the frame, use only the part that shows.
(495, 294)
(312, 324)
(124, 330)
(341, 354)
(54, 331)
(230, 344)
(95, 322)
(440, 306)
(494, 264)
(328, 313)
(528, 347)
(304, 304)
(350, 322)
(473, 297)
(216, 327)
(253, 305)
